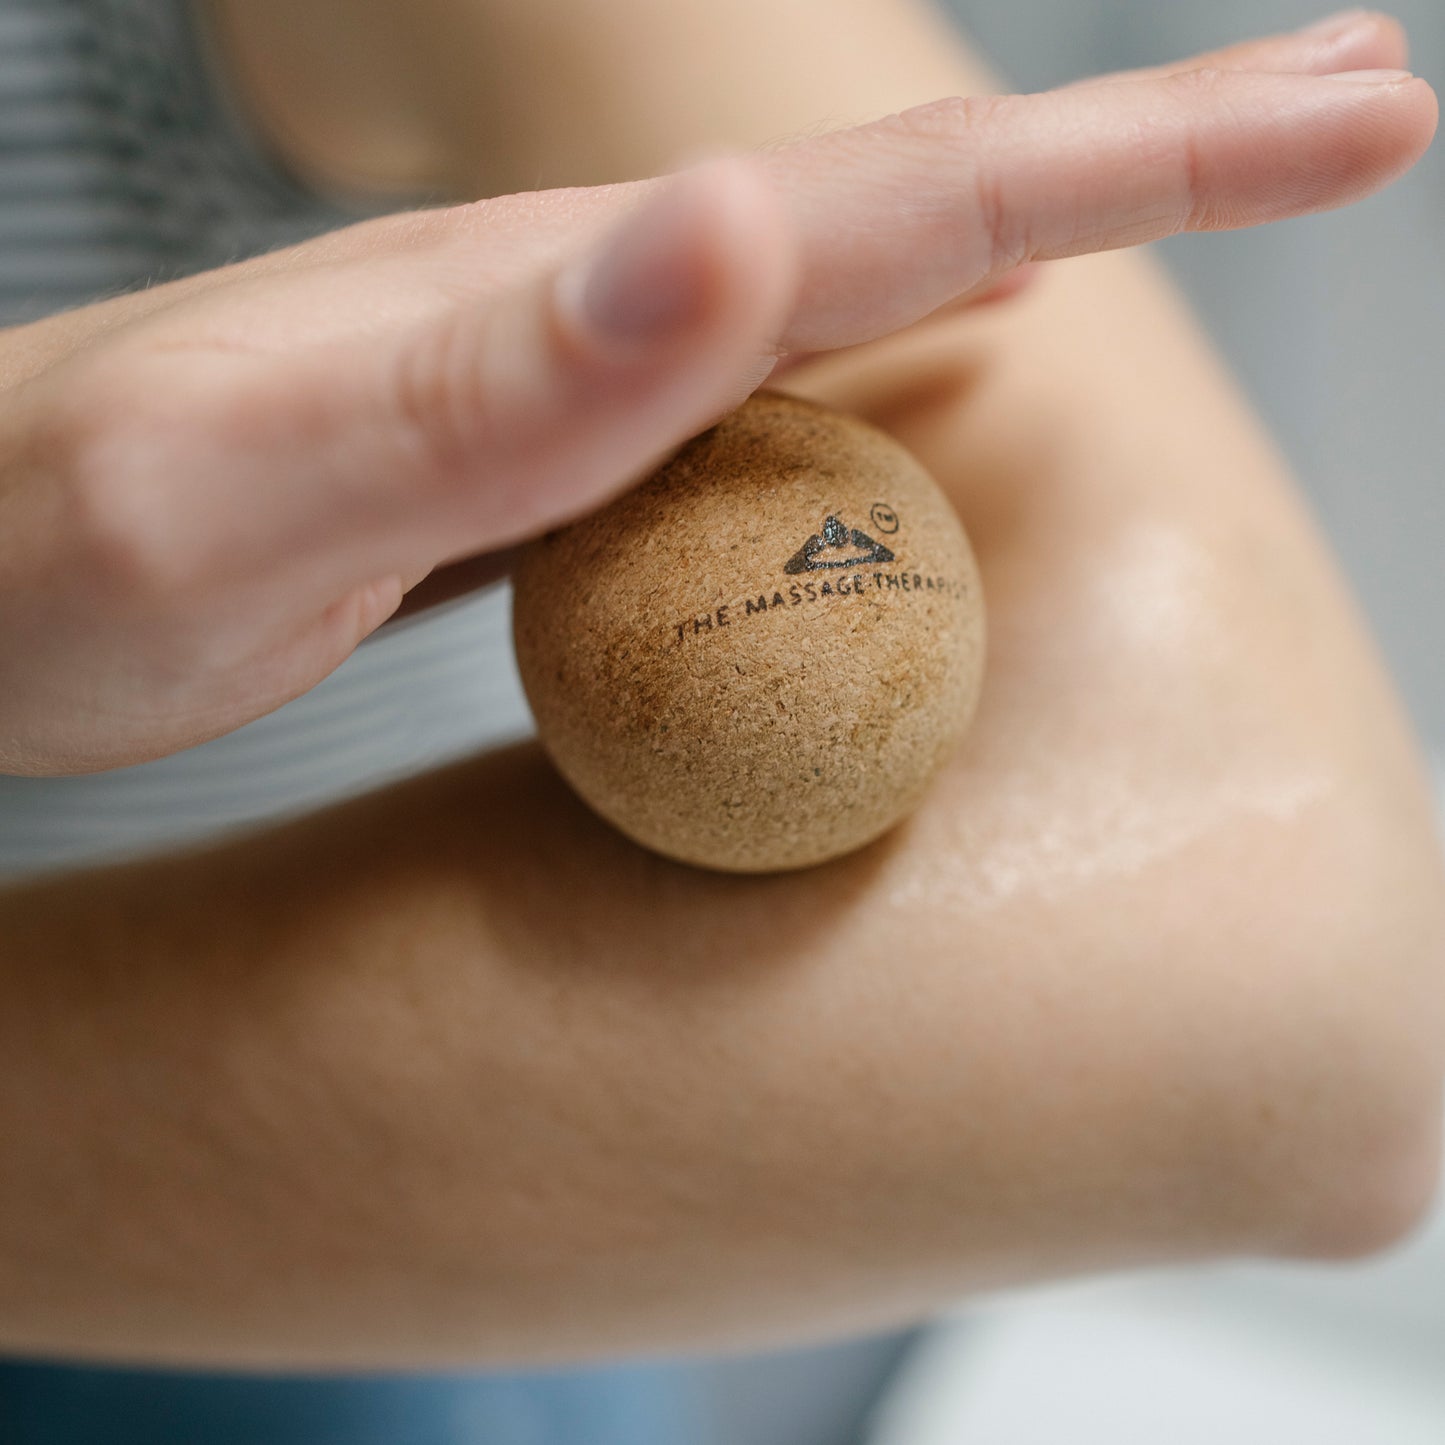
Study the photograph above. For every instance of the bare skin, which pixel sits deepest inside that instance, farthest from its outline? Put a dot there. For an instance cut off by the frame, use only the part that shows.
(454, 1073)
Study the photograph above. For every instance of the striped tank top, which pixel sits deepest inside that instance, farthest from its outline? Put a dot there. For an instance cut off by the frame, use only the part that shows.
(122, 163)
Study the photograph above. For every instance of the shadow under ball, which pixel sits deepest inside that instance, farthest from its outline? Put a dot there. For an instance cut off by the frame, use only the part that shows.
(757, 659)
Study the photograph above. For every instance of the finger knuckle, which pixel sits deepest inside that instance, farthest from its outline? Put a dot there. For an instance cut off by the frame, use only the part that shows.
(952, 116)
(442, 400)
(965, 123)
(1196, 210)
(1199, 80)
(106, 446)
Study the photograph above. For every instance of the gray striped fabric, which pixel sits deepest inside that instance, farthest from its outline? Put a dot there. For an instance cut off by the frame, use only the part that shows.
(122, 163)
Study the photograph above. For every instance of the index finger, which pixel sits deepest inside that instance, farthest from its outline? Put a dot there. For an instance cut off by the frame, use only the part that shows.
(900, 216)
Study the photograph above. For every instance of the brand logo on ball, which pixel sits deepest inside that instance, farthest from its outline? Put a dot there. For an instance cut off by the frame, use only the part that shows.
(854, 564)
(837, 546)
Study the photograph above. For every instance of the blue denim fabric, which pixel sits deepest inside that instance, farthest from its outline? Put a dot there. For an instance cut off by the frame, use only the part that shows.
(817, 1396)
(60, 1405)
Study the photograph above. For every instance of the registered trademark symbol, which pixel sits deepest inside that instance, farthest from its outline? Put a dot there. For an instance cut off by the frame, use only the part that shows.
(884, 517)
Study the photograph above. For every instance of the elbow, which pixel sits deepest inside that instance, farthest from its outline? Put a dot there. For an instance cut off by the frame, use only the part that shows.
(1355, 1154)
(1377, 1202)
(1373, 1177)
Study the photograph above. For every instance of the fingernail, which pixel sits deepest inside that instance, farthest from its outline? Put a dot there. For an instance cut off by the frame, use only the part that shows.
(1371, 77)
(1336, 24)
(645, 284)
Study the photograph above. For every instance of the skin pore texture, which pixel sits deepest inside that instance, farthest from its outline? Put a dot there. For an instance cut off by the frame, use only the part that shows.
(453, 1073)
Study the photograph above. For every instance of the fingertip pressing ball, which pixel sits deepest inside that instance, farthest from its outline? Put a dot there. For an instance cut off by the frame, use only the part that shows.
(758, 658)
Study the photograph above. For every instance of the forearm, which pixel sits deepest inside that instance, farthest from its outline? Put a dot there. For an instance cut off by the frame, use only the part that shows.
(456, 1073)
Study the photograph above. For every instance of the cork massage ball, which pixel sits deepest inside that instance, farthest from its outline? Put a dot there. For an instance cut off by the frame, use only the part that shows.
(758, 658)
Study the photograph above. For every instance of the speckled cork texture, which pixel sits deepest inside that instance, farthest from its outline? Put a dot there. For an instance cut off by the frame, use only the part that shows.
(758, 658)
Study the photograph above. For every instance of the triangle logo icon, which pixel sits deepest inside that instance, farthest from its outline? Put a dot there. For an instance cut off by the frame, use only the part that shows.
(836, 546)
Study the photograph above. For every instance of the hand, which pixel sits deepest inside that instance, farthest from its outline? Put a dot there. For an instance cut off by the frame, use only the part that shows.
(212, 491)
